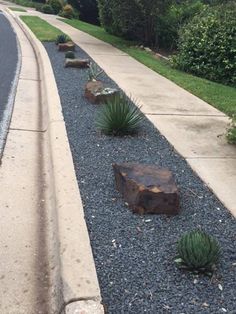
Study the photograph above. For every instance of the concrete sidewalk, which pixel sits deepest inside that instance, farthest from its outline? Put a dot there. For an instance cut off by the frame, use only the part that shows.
(192, 126)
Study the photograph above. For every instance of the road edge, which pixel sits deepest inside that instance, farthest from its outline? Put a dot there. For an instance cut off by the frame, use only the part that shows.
(80, 287)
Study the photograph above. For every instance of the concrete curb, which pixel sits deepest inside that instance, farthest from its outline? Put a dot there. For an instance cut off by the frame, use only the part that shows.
(79, 281)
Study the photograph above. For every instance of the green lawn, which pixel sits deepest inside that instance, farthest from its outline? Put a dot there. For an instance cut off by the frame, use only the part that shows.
(42, 29)
(218, 95)
(17, 9)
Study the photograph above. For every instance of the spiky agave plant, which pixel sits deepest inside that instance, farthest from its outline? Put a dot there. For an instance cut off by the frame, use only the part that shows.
(197, 251)
(119, 116)
(61, 39)
(94, 72)
(70, 55)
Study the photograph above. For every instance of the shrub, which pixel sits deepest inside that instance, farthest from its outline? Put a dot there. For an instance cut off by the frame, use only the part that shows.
(67, 12)
(46, 8)
(197, 251)
(119, 116)
(207, 45)
(70, 55)
(231, 134)
(61, 39)
(176, 15)
(94, 72)
(56, 5)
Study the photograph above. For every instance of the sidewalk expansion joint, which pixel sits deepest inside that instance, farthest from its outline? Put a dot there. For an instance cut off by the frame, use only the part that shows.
(29, 79)
(211, 157)
(184, 115)
(28, 130)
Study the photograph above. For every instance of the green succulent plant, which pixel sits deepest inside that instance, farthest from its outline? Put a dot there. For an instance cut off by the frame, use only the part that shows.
(61, 39)
(70, 55)
(197, 251)
(119, 116)
(94, 72)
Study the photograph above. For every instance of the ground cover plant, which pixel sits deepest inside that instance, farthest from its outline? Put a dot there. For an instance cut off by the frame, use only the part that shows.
(134, 254)
(42, 29)
(70, 55)
(220, 96)
(29, 3)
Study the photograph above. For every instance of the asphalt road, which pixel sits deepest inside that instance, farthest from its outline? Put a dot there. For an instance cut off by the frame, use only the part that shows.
(9, 68)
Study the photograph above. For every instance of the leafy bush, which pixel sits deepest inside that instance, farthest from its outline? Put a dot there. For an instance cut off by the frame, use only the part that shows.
(70, 55)
(207, 45)
(68, 12)
(56, 5)
(231, 134)
(94, 72)
(177, 14)
(61, 39)
(119, 116)
(47, 8)
(197, 251)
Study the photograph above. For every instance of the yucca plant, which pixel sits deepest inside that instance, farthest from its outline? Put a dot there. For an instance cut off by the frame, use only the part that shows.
(197, 251)
(94, 72)
(61, 39)
(119, 116)
(70, 55)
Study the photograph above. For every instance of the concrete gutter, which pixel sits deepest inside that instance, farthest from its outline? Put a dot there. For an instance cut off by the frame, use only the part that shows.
(79, 284)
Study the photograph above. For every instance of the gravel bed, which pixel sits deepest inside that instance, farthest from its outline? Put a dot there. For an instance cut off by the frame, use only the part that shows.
(134, 254)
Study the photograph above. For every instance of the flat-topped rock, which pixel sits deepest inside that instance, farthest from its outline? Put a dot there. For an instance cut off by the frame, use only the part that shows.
(96, 92)
(77, 63)
(147, 188)
(69, 46)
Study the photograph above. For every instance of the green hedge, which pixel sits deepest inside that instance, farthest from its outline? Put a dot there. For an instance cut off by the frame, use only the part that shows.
(207, 45)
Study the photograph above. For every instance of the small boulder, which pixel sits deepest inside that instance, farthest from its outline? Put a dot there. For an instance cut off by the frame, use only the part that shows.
(69, 46)
(77, 63)
(96, 92)
(147, 189)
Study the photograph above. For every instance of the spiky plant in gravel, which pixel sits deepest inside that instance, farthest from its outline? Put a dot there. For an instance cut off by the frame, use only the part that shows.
(94, 72)
(70, 55)
(61, 39)
(119, 116)
(198, 252)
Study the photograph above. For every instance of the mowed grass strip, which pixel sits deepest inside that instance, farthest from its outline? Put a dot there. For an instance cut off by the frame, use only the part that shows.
(17, 9)
(42, 29)
(218, 95)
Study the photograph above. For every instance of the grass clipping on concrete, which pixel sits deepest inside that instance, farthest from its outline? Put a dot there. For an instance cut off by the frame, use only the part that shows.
(218, 95)
(42, 29)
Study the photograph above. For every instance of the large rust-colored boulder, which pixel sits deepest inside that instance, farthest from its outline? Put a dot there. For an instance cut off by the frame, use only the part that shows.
(96, 92)
(69, 46)
(147, 188)
(77, 63)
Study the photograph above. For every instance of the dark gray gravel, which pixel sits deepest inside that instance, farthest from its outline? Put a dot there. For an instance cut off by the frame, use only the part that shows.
(133, 254)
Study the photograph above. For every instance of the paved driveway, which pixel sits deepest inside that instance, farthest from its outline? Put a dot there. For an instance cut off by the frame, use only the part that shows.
(8, 80)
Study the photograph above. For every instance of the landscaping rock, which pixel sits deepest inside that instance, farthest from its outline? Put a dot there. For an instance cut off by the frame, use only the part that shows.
(147, 188)
(69, 46)
(96, 92)
(77, 63)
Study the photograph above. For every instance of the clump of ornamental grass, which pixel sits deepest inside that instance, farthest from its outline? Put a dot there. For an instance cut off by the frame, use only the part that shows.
(61, 39)
(119, 116)
(94, 72)
(197, 252)
(70, 55)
